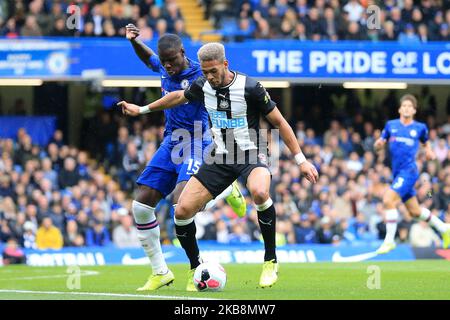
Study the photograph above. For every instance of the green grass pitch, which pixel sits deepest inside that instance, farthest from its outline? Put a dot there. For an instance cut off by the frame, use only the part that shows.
(425, 279)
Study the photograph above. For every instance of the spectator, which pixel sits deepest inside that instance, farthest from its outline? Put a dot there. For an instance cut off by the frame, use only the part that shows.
(325, 233)
(262, 30)
(238, 234)
(88, 30)
(222, 233)
(68, 176)
(72, 237)
(10, 30)
(31, 28)
(423, 33)
(330, 24)
(12, 254)
(315, 27)
(59, 28)
(421, 235)
(145, 32)
(396, 19)
(407, 10)
(125, 235)
(303, 229)
(444, 34)
(97, 235)
(441, 150)
(354, 32)
(5, 231)
(354, 9)
(131, 166)
(29, 235)
(388, 32)
(408, 36)
(48, 236)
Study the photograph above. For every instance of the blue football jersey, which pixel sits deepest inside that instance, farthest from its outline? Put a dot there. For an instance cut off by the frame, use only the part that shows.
(404, 143)
(183, 116)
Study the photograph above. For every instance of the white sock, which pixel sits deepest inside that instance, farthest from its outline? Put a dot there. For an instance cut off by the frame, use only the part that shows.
(434, 221)
(223, 195)
(149, 235)
(391, 225)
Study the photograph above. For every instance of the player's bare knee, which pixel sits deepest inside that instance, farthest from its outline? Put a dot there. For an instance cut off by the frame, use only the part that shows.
(182, 212)
(260, 195)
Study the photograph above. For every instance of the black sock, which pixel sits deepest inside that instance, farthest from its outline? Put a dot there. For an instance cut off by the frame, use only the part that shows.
(267, 219)
(186, 236)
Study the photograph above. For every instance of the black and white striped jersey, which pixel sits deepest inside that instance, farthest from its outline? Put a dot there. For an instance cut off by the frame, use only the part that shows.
(234, 111)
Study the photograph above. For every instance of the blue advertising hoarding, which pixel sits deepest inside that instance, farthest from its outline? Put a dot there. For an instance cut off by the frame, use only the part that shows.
(210, 251)
(35, 58)
(295, 61)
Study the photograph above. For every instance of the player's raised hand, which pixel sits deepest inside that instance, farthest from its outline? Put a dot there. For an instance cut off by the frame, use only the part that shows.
(309, 171)
(129, 109)
(132, 32)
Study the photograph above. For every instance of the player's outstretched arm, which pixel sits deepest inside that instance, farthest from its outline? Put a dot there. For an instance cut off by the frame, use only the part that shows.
(142, 51)
(170, 100)
(287, 134)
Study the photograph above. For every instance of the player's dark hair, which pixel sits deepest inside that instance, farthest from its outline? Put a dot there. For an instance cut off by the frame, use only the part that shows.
(169, 41)
(409, 97)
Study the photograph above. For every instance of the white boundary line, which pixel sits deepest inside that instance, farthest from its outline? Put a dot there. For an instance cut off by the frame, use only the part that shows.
(104, 294)
(86, 273)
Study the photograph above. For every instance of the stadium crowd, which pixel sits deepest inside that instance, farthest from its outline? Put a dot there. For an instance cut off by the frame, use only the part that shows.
(58, 195)
(105, 18)
(411, 21)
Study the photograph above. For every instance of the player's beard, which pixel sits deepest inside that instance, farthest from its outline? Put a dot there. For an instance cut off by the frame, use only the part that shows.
(221, 82)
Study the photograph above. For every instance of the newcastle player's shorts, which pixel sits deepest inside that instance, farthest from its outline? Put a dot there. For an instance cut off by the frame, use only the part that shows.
(217, 176)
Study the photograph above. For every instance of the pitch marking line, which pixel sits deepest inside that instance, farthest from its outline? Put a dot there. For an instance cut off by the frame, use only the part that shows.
(82, 273)
(104, 294)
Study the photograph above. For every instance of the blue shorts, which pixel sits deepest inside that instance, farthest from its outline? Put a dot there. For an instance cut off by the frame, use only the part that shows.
(404, 183)
(162, 174)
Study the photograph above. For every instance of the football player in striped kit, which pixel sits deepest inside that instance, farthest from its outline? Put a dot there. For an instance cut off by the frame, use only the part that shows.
(235, 104)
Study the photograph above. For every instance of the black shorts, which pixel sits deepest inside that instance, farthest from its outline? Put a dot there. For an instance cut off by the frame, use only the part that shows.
(217, 177)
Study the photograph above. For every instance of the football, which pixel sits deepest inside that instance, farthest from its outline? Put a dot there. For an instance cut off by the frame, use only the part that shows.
(210, 276)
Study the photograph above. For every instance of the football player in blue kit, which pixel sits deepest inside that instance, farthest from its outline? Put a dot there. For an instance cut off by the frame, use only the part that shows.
(162, 175)
(404, 136)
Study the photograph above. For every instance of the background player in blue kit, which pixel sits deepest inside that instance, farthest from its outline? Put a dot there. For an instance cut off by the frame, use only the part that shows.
(161, 175)
(404, 135)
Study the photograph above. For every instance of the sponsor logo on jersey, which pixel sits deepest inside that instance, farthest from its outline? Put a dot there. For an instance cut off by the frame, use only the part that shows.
(219, 120)
(408, 141)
